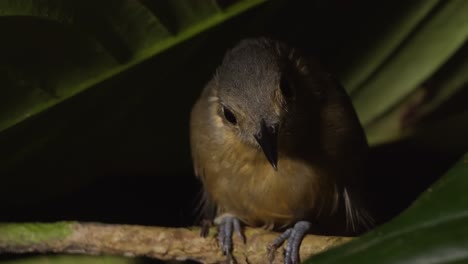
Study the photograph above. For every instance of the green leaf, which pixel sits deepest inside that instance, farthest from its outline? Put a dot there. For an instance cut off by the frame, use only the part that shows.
(431, 44)
(433, 230)
(74, 73)
(415, 113)
(390, 38)
(79, 44)
(449, 80)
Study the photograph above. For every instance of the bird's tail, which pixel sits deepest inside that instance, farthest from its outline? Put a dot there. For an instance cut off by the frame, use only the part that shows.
(358, 218)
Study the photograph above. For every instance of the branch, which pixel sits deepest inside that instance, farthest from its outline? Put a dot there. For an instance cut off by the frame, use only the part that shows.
(154, 242)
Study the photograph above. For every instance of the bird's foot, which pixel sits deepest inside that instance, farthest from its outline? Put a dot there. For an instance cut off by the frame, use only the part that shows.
(294, 236)
(227, 225)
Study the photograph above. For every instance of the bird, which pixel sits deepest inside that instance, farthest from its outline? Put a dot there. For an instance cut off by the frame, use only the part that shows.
(277, 144)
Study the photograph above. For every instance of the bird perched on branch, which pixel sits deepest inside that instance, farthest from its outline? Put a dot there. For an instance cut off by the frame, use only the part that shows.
(276, 143)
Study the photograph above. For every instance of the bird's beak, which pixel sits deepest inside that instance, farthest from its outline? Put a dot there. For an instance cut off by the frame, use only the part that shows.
(267, 138)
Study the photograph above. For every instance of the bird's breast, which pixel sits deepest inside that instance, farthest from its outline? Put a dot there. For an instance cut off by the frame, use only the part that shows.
(244, 184)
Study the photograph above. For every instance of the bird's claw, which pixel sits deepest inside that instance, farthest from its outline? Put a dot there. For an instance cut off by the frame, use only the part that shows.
(294, 236)
(227, 225)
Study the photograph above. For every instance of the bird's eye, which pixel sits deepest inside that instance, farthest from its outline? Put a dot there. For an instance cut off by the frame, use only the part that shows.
(230, 117)
(285, 87)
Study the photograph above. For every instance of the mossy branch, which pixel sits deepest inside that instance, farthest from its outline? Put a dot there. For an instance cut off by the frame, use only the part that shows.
(154, 242)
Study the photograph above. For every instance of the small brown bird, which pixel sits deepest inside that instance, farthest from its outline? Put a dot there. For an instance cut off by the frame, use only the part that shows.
(276, 143)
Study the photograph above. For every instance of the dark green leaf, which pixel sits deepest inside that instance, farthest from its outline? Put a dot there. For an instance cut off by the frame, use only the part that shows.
(429, 46)
(78, 44)
(433, 230)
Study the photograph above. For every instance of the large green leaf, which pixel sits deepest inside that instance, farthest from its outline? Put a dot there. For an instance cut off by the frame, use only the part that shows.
(415, 113)
(387, 42)
(432, 43)
(95, 40)
(65, 85)
(433, 230)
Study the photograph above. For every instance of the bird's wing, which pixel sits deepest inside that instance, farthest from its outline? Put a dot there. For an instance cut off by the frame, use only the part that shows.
(199, 138)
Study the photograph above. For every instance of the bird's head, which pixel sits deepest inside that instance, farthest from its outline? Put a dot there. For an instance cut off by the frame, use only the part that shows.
(259, 83)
